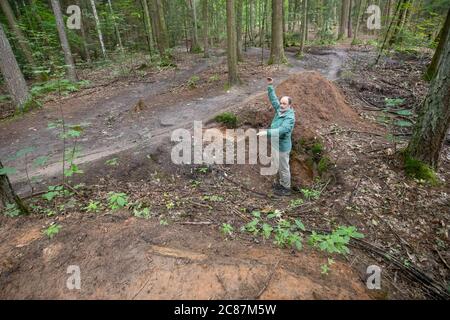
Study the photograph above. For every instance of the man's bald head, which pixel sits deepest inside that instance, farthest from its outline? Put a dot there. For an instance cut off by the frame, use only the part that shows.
(285, 103)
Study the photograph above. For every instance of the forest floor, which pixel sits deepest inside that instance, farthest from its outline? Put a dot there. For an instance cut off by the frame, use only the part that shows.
(179, 251)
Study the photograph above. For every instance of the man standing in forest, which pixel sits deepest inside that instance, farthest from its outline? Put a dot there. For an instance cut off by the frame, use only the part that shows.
(282, 126)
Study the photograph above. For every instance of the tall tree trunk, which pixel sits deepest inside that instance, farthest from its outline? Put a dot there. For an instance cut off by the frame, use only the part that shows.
(283, 21)
(70, 65)
(277, 48)
(15, 82)
(432, 68)
(361, 5)
(263, 30)
(148, 26)
(304, 26)
(83, 36)
(404, 6)
(15, 28)
(191, 5)
(116, 29)
(160, 29)
(99, 30)
(239, 29)
(349, 26)
(343, 24)
(434, 117)
(7, 194)
(233, 78)
(205, 14)
(388, 31)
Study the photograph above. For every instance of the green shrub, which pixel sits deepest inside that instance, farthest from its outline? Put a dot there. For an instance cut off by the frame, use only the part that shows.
(323, 165)
(227, 118)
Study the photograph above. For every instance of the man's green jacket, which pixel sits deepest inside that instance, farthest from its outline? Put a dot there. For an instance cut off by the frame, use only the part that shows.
(282, 123)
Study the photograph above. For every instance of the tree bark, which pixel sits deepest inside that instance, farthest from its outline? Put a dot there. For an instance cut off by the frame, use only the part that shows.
(23, 43)
(233, 78)
(432, 68)
(434, 117)
(263, 30)
(15, 82)
(404, 7)
(343, 25)
(116, 29)
(191, 6)
(277, 48)
(70, 65)
(7, 194)
(83, 36)
(148, 26)
(239, 29)
(205, 14)
(358, 19)
(99, 30)
(160, 29)
(349, 26)
(304, 26)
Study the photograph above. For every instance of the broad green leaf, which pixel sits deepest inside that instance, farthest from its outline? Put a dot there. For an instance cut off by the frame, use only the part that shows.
(40, 161)
(404, 112)
(403, 123)
(7, 171)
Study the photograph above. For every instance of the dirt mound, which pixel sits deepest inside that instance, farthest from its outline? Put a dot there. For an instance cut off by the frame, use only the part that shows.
(319, 105)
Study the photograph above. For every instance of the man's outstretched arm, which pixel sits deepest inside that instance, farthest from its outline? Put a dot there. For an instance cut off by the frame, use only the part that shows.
(272, 96)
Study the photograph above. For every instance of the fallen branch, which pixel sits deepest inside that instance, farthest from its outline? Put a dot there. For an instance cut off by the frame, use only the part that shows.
(196, 222)
(267, 281)
(443, 260)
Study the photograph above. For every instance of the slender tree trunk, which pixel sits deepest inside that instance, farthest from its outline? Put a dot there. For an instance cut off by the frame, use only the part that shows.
(99, 30)
(148, 26)
(191, 5)
(15, 82)
(386, 12)
(386, 36)
(434, 117)
(239, 29)
(205, 13)
(400, 20)
(15, 28)
(432, 68)
(343, 25)
(70, 65)
(283, 21)
(233, 78)
(349, 26)
(358, 19)
(277, 48)
(83, 36)
(7, 194)
(116, 29)
(263, 31)
(160, 30)
(304, 26)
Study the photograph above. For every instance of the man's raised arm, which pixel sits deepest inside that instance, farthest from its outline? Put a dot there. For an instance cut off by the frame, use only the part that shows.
(272, 96)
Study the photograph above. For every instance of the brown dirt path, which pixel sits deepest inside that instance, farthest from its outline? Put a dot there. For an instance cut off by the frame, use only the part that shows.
(114, 126)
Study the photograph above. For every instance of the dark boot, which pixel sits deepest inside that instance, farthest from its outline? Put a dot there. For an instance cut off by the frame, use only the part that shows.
(277, 186)
(283, 192)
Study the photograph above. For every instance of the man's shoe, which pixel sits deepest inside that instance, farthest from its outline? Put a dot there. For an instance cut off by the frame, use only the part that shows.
(283, 192)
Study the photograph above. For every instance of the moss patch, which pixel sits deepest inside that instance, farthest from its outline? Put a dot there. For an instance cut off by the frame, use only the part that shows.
(419, 170)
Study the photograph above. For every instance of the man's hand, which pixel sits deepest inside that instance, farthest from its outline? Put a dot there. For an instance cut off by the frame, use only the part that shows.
(262, 133)
(269, 80)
